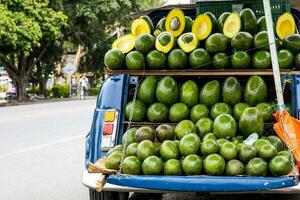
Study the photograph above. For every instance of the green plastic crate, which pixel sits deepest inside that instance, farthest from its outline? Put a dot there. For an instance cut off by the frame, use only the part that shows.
(217, 7)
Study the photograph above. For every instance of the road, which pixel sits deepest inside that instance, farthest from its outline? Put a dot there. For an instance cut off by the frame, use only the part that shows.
(41, 150)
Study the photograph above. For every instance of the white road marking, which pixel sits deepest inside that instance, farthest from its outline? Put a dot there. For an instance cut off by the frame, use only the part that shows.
(42, 146)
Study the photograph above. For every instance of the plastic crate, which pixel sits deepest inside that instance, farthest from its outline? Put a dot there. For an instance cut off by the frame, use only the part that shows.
(218, 7)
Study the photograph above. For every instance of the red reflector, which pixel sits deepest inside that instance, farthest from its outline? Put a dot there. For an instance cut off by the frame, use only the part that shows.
(108, 129)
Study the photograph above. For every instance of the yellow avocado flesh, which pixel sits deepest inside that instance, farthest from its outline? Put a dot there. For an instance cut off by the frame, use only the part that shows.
(202, 27)
(139, 27)
(188, 45)
(175, 22)
(124, 43)
(232, 25)
(285, 25)
(164, 42)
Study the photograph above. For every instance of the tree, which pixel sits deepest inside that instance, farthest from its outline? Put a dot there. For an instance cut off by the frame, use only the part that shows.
(27, 29)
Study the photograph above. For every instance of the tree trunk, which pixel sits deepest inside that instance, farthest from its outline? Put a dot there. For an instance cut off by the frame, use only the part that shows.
(21, 85)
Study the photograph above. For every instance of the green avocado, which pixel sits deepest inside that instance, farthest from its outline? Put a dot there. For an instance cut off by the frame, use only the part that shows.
(135, 60)
(178, 112)
(157, 112)
(241, 59)
(261, 24)
(255, 91)
(231, 91)
(177, 59)
(292, 42)
(238, 109)
(156, 59)
(167, 91)
(149, 22)
(266, 111)
(242, 41)
(204, 125)
(185, 127)
(249, 21)
(221, 21)
(261, 59)
(251, 122)
(285, 58)
(214, 165)
(213, 20)
(216, 43)
(199, 111)
(161, 25)
(146, 91)
(145, 43)
(220, 61)
(220, 108)
(199, 58)
(261, 41)
(114, 59)
(169, 150)
(210, 93)
(153, 165)
(189, 93)
(138, 110)
(256, 167)
(297, 61)
(188, 24)
(225, 126)
(132, 165)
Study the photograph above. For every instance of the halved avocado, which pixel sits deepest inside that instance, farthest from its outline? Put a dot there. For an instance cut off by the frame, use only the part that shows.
(175, 22)
(188, 42)
(160, 27)
(221, 20)
(164, 42)
(124, 43)
(232, 25)
(213, 20)
(188, 24)
(202, 26)
(149, 21)
(139, 27)
(285, 25)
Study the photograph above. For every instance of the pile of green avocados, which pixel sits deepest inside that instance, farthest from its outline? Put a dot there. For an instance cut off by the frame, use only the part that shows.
(234, 40)
(201, 130)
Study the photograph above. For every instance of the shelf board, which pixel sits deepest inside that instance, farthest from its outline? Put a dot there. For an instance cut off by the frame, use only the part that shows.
(204, 72)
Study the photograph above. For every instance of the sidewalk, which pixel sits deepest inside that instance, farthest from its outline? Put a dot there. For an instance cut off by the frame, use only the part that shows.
(3, 103)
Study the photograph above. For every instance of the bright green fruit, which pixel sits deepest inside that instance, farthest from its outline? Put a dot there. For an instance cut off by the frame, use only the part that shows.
(231, 91)
(153, 165)
(238, 139)
(234, 168)
(247, 152)
(129, 136)
(188, 42)
(256, 167)
(241, 59)
(172, 168)
(116, 148)
(209, 147)
(178, 112)
(199, 58)
(192, 164)
(221, 20)
(260, 142)
(284, 153)
(249, 21)
(242, 41)
(114, 59)
(292, 42)
(214, 165)
(225, 126)
(222, 141)
(261, 41)
(262, 59)
(145, 43)
(255, 91)
(188, 24)
(138, 113)
(177, 59)
(113, 160)
(144, 133)
(131, 149)
(285, 59)
(165, 132)
(167, 91)
(157, 112)
(146, 91)
(261, 24)
(276, 142)
(189, 144)
(169, 150)
(189, 93)
(220, 61)
(199, 111)
(184, 127)
(145, 149)
(204, 125)
(251, 122)
(213, 20)
(210, 93)
(280, 165)
(209, 136)
(267, 151)
(216, 43)
(228, 151)
(135, 60)
(220, 108)
(132, 165)
(157, 145)
(266, 111)
(156, 59)
(238, 109)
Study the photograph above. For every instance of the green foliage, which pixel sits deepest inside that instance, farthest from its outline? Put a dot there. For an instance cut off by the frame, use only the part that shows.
(35, 90)
(93, 91)
(60, 90)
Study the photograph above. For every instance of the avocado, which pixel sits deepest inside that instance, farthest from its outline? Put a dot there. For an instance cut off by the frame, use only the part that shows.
(213, 20)
(177, 59)
(238, 109)
(280, 166)
(192, 164)
(131, 149)
(234, 168)
(210, 93)
(175, 22)
(199, 58)
(209, 147)
(232, 25)
(114, 149)
(292, 42)
(221, 20)
(138, 110)
(189, 93)
(202, 26)
(157, 112)
(214, 165)
(220, 61)
(198, 111)
(132, 165)
(167, 91)
(124, 43)
(247, 152)
(153, 165)
(184, 127)
(261, 41)
(144, 133)
(241, 59)
(262, 59)
(156, 59)
(188, 24)
(135, 60)
(297, 61)
(204, 125)
(285, 58)
(114, 59)
(149, 22)
(285, 25)
(144, 43)
(129, 136)
(228, 151)
(172, 168)
(189, 144)
(251, 122)
(145, 149)
(140, 26)
(216, 43)
(146, 90)
(188, 42)
(178, 112)
(231, 91)
(261, 24)
(249, 21)
(266, 111)
(267, 152)
(255, 91)
(113, 160)
(169, 150)
(164, 42)
(242, 41)
(165, 132)
(225, 126)
(161, 25)
(256, 167)
(220, 108)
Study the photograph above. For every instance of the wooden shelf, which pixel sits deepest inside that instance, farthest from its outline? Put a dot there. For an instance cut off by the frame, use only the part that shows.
(204, 72)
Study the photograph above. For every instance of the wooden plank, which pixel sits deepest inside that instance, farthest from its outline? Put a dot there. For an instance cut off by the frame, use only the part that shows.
(205, 72)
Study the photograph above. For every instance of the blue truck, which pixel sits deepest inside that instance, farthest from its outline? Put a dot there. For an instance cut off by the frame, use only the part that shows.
(110, 112)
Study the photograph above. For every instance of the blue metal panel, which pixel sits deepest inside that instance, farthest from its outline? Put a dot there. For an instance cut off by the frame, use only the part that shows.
(295, 91)
(112, 95)
(202, 183)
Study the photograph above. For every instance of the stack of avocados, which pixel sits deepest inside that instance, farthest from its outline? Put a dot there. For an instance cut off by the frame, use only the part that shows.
(234, 40)
(208, 134)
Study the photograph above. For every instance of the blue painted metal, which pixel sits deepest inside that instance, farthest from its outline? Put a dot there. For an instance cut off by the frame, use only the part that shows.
(295, 91)
(112, 95)
(202, 183)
